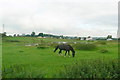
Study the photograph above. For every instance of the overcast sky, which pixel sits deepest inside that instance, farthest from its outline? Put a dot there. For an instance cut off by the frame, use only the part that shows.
(62, 17)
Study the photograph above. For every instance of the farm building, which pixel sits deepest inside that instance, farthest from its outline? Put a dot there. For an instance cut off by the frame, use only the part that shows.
(109, 39)
(40, 37)
(89, 39)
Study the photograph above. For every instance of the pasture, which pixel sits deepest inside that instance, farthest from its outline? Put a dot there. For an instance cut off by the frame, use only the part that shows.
(22, 59)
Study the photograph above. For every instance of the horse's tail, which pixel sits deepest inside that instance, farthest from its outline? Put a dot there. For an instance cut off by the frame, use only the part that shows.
(56, 48)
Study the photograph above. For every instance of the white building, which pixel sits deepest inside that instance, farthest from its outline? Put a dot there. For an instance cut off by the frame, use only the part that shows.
(109, 39)
(89, 39)
(82, 38)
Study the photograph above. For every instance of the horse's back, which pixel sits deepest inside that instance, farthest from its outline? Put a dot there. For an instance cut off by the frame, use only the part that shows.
(64, 47)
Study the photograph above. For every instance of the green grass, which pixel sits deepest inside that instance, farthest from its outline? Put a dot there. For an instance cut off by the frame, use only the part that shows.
(0, 56)
(45, 61)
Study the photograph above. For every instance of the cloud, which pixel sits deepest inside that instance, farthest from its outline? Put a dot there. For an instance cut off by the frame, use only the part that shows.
(63, 17)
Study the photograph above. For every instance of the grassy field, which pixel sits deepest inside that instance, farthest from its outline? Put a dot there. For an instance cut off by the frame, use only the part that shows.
(0, 56)
(32, 62)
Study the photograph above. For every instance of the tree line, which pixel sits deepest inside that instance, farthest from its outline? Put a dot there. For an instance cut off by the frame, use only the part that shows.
(33, 34)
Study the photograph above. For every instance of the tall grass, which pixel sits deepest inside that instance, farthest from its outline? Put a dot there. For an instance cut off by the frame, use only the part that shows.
(91, 69)
(54, 45)
(87, 46)
(21, 71)
(101, 42)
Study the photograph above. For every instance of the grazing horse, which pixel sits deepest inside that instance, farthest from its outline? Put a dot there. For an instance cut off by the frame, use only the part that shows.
(65, 47)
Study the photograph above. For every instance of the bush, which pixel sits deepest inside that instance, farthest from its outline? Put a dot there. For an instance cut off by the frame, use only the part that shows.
(104, 51)
(102, 42)
(85, 46)
(91, 69)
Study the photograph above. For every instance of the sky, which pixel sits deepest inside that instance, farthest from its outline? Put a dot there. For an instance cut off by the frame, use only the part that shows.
(97, 18)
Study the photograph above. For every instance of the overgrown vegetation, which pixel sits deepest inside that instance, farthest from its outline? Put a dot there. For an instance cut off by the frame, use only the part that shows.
(104, 51)
(91, 69)
(87, 46)
(101, 42)
(21, 71)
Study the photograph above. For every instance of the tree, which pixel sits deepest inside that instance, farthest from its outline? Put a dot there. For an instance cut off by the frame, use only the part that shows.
(18, 35)
(109, 36)
(119, 38)
(33, 34)
(84, 38)
(89, 36)
(14, 35)
(79, 38)
(41, 34)
(4, 34)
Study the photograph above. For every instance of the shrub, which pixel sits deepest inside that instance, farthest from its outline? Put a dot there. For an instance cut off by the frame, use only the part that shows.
(104, 51)
(102, 42)
(91, 69)
(85, 46)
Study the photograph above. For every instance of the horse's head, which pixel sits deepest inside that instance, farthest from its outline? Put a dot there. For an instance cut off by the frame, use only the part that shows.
(73, 53)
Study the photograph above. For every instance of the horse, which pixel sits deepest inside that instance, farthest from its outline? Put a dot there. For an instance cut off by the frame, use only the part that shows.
(65, 47)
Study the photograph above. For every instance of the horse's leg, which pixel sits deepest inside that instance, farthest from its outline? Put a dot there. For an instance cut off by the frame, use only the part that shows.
(69, 53)
(60, 51)
(65, 53)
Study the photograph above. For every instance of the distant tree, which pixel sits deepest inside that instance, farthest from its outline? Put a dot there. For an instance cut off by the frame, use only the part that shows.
(75, 37)
(10, 35)
(61, 36)
(23, 35)
(27, 35)
(14, 35)
(79, 38)
(18, 35)
(41, 34)
(84, 38)
(89, 36)
(4, 34)
(33, 34)
(119, 38)
(109, 36)
(0, 34)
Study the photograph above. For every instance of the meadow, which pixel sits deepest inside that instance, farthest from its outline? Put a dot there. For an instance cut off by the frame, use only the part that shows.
(22, 60)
